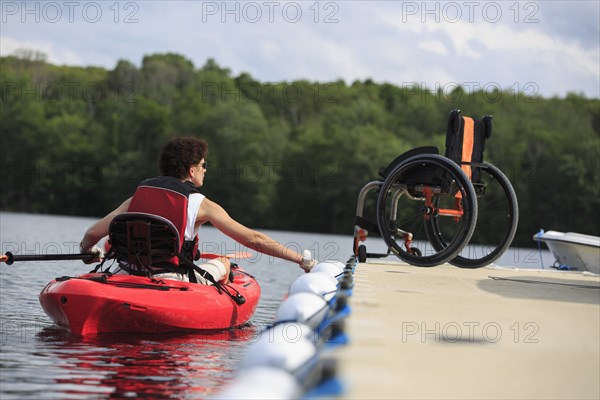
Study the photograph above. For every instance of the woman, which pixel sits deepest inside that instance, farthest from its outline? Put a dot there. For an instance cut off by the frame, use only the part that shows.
(175, 196)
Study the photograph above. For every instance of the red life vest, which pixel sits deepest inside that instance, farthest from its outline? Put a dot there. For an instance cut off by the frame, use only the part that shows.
(167, 197)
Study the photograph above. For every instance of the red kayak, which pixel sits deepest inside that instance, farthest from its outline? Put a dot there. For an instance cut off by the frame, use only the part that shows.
(101, 303)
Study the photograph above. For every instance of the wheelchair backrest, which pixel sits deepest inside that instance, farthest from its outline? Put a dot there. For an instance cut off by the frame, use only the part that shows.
(144, 240)
(465, 141)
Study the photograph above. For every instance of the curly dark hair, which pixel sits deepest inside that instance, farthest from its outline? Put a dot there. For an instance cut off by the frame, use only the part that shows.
(179, 154)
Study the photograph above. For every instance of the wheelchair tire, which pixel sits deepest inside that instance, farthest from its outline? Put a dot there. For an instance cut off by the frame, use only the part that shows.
(416, 251)
(497, 220)
(402, 209)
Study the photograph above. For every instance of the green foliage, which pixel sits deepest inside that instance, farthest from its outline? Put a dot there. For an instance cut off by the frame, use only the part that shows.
(287, 155)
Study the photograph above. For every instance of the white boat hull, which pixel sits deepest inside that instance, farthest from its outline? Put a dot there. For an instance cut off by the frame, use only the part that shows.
(578, 251)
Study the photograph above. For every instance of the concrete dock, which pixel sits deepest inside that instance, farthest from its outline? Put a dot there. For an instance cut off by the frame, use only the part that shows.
(488, 333)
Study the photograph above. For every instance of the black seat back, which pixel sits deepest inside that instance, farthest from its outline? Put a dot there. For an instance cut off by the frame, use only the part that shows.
(465, 141)
(144, 240)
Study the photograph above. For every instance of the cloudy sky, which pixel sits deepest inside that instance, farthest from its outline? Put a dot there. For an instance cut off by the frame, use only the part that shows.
(542, 48)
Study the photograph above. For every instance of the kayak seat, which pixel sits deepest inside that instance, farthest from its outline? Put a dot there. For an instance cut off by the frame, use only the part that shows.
(144, 241)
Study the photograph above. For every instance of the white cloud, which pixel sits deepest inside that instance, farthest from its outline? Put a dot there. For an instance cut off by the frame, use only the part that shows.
(505, 51)
(270, 49)
(9, 45)
(434, 46)
(375, 39)
(503, 34)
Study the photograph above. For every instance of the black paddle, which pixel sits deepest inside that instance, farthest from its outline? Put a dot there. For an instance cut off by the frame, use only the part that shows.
(10, 258)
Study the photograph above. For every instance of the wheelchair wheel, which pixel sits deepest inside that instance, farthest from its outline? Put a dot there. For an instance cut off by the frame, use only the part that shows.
(423, 187)
(497, 220)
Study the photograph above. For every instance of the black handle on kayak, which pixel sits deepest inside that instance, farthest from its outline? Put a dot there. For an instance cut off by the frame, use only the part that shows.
(10, 258)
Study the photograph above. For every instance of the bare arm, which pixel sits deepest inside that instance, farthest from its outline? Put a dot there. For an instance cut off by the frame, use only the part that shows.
(215, 214)
(100, 229)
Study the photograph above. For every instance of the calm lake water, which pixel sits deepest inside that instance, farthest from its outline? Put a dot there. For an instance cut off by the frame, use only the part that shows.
(40, 361)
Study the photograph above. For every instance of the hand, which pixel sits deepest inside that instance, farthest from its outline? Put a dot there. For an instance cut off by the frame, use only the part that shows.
(307, 261)
(96, 250)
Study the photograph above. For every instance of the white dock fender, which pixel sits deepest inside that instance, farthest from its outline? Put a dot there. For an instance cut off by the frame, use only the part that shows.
(333, 268)
(319, 283)
(261, 382)
(304, 307)
(286, 346)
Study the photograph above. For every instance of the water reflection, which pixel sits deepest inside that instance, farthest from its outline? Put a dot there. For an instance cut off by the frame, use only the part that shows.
(141, 366)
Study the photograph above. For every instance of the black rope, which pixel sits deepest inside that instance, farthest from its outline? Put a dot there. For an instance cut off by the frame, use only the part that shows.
(237, 297)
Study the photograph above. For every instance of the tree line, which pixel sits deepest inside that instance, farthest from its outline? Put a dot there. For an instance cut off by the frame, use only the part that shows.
(285, 155)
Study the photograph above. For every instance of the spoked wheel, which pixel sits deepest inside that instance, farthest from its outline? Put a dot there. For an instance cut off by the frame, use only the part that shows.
(421, 188)
(497, 220)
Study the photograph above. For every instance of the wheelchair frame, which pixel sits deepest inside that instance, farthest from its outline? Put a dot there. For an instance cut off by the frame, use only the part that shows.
(442, 233)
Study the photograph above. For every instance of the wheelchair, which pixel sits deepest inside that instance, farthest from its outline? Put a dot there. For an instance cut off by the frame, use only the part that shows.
(432, 209)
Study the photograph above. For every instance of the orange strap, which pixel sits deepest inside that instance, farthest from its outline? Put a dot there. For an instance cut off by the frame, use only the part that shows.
(468, 139)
